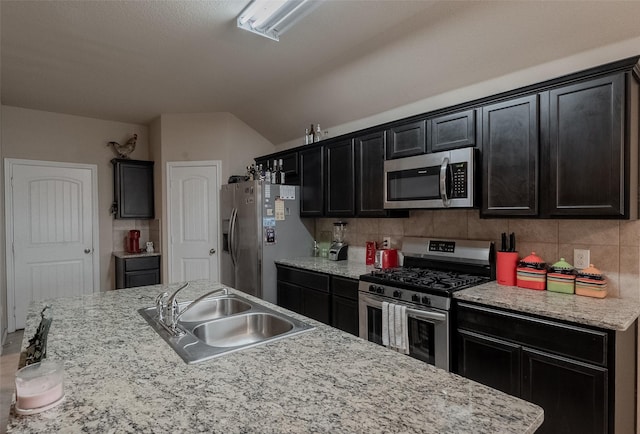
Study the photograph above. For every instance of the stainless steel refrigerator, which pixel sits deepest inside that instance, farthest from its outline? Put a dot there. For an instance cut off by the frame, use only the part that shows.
(260, 223)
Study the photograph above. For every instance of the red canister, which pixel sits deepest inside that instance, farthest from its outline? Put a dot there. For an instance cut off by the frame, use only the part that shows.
(133, 245)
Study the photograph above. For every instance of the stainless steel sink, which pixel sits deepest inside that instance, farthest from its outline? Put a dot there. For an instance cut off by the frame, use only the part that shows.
(242, 329)
(223, 325)
(213, 308)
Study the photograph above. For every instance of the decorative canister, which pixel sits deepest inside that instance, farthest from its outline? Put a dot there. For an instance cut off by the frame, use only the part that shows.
(532, 272)
(561, 277)
(591, 282)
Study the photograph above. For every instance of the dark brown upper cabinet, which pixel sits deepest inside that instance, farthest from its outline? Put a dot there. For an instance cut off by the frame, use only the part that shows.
(510, 157)
(290, 165)
(340, 179)
(455, 130)
(407, 140)
(370, 151)
(312, 182)
(585, 138)
(132, 189)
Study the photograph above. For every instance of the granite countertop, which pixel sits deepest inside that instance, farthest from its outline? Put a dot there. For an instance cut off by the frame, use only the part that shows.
(125, 255)
(349, 269)
(120, 376)
(607, 313)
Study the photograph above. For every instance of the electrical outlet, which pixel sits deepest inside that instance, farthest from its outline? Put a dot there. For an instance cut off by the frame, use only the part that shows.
(386, 242)
(581, 258)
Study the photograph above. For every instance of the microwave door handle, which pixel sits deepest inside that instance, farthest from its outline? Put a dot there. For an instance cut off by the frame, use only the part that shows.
(444, 169)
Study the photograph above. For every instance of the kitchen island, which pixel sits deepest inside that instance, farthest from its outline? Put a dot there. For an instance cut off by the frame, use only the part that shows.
(120, 376)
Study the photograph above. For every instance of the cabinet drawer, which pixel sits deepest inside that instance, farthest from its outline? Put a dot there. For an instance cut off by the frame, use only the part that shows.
(135, 264)
(344, 287)
(307, 279)
(141, 278)
(567, 340)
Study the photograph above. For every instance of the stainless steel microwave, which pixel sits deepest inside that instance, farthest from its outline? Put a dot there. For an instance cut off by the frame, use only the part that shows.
(439, 180)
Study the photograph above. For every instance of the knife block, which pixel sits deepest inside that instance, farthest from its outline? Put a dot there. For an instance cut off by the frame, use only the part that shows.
(506, 264)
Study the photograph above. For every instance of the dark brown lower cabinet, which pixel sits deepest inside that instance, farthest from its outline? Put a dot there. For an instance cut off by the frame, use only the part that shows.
(329, 299)
(573, 395)
(583, 377)
(344, 304)
(137, 271)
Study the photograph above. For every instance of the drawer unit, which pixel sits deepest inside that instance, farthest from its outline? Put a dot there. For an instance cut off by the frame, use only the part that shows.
(137, 271)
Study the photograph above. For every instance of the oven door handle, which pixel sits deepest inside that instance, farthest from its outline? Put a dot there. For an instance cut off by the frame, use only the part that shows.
(444, 191)
(427, 314)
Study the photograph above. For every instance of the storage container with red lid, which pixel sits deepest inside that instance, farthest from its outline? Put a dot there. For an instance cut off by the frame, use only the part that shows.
(532, 272)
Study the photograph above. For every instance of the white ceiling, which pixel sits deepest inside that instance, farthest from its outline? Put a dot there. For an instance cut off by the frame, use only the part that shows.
(133, 60)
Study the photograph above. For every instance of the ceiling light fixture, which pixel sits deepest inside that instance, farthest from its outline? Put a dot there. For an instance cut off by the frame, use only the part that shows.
(271, 18)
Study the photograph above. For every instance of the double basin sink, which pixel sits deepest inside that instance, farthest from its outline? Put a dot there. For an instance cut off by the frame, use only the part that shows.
(223, 324)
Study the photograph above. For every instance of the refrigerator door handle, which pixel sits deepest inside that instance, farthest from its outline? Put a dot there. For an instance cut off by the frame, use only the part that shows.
(232, 235)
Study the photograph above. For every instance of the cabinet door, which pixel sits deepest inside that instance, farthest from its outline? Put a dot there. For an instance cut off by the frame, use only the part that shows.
(290, 296)
(344, 314)
(316, 305)
(290, 165)
(510, 158)
(133, 189)
(573, 395)
(311, 182)
(451, 131)
(340, 179)
(406, 140)
(490, 361)
(370, 175)
(586, 149)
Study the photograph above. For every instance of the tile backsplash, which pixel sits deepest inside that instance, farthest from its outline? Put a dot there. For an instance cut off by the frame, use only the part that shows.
(149, 231)
(614, 244)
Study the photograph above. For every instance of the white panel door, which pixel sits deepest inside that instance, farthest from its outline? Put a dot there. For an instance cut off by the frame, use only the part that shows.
(193, 221)
(53, 249)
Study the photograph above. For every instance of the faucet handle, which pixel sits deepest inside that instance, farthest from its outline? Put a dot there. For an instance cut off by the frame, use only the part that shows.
(161, 304)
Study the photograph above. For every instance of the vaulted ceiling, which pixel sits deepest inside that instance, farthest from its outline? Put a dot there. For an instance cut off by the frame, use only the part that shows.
(133, 60)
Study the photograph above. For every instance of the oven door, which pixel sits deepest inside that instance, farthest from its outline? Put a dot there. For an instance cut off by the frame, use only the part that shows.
(428, 329)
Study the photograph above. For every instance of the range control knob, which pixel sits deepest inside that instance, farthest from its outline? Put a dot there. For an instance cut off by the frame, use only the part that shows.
(426, 300)
(415, 298)
(372, 288)
(380, 290)
(397, 294)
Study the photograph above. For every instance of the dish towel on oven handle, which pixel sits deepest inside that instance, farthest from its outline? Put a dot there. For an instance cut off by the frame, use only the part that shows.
(400, 329)
(385, 323)
(392, 326)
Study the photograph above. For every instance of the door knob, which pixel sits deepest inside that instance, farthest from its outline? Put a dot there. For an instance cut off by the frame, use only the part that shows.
(87, 251)
(212, 251)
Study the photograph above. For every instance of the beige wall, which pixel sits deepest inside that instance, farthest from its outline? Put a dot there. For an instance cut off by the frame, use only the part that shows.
(3, 282)
(198, 137)
(39, 135)
(481, 89)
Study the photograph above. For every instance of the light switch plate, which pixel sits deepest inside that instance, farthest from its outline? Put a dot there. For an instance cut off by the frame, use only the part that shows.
(581, 258)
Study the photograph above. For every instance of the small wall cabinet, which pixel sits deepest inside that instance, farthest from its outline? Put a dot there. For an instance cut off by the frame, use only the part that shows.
(407, 140)
(133, 189)
(137, 271)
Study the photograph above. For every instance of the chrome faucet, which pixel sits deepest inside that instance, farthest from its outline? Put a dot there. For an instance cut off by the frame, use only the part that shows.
(168, 311)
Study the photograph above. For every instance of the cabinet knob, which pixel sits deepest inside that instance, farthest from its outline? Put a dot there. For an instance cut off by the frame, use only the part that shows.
(212, 251)
(87, 251)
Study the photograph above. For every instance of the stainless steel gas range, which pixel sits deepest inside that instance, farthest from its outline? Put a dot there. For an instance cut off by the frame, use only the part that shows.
(408, 308)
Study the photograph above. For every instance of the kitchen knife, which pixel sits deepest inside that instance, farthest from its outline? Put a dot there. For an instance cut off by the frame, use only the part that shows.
(512, 242)
(503, 242)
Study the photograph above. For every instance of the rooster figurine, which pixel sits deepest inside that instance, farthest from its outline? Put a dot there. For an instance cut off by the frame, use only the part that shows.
(126, 149)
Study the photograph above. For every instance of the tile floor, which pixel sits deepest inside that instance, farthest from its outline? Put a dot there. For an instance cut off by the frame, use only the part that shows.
(8, 366)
